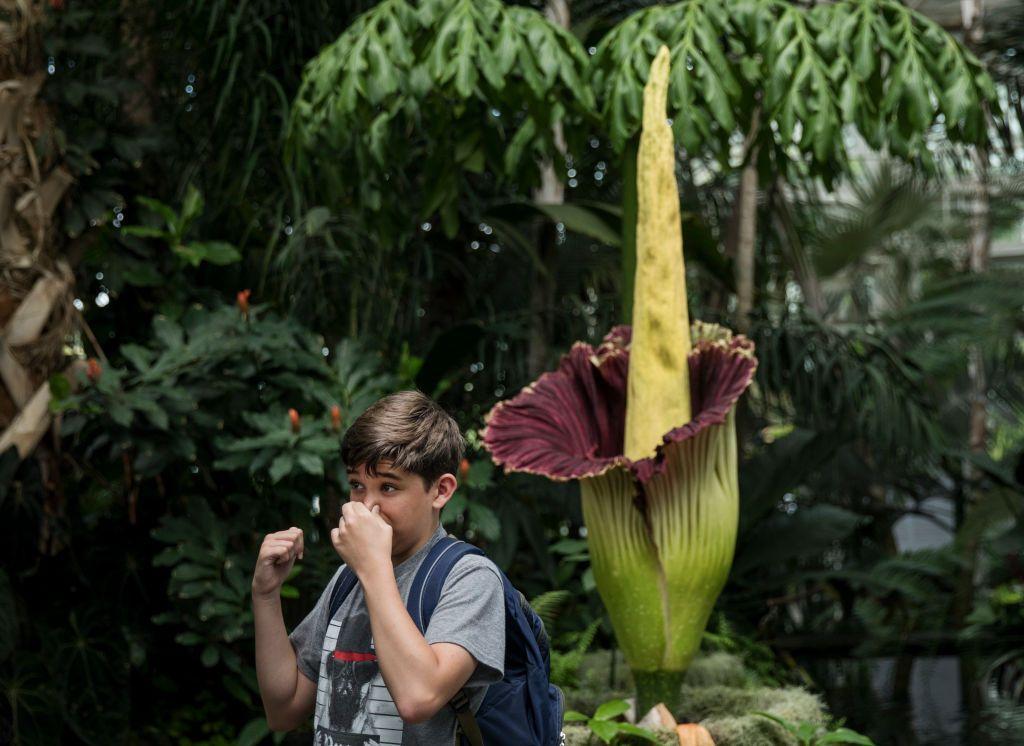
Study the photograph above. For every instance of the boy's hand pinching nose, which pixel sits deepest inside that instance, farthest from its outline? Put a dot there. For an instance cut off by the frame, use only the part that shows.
(276, 558)
(362, 538)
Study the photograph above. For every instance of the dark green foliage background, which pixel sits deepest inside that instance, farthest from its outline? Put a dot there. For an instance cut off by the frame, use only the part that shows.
(394, 247)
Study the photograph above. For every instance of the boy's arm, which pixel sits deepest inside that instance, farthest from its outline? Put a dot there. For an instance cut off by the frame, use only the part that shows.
(288, 695)
(422, 678)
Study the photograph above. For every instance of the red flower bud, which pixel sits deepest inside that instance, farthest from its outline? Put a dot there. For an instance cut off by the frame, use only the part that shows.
(464, 469)
(242, 299)
(57, 4)
(93, 369)
(294, 417)
(336, 418)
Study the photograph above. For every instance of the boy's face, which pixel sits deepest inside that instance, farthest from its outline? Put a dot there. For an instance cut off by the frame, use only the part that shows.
(406, 504)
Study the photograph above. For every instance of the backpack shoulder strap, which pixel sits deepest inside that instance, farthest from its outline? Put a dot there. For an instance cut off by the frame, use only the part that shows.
(426, 585)
(423, 598)
(346, 582)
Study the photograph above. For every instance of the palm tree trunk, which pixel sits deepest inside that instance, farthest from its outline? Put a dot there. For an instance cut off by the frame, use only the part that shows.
(746, 221)
(979, 249)
(550, 191)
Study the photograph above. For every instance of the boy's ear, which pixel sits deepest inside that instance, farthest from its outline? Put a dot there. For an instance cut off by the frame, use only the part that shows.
(446, 485)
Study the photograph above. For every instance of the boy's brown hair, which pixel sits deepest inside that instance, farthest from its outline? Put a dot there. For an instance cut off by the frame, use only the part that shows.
(409, 430)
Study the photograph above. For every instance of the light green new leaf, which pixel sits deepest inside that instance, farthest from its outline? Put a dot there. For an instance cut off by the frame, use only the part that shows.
(611, 709)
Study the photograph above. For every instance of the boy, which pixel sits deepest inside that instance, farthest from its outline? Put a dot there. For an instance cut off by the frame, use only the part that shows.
(368, 673)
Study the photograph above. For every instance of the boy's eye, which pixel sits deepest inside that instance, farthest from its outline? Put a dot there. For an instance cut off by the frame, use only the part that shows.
(358, 486)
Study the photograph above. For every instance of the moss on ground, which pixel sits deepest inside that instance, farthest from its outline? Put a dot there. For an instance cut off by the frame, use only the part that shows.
(719, 693)
(727, 713)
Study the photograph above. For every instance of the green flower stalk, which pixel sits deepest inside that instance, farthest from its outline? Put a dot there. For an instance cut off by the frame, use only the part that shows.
(646, 423)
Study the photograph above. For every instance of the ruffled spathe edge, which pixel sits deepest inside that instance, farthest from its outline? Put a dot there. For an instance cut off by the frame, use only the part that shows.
(570, 422)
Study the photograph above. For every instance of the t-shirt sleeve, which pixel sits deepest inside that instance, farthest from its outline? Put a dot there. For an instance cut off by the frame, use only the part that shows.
(308, 636)
(471, 614)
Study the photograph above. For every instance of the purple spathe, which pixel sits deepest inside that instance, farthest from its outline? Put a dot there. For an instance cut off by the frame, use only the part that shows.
(570, 423)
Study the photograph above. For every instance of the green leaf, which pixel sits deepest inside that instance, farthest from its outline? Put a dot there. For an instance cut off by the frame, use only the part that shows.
(311, 464)
(188, 638)
(189, 572)
(214, 252)
(845, 735)
(165, 211)
(192, 206)
(119, 413)
(60, 386)
(571, 716)
(281, 467)
(636, 730)
(611, 709)
(210, 656)
(604, 729)
(484, 520)
(254, 732)
(480, 474)
(144, 231)
(581, 220)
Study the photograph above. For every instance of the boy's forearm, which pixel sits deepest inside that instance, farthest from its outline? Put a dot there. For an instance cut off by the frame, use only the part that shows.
(407, 663)
(276, 669)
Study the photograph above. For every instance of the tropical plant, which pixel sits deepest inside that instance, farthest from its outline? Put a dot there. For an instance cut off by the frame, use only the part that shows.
(477, 84)
(605, 727)
(176, 227)
(654, 476)
(813, 734)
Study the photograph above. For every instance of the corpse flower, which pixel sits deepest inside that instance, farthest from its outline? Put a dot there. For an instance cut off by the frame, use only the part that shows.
(646, 423)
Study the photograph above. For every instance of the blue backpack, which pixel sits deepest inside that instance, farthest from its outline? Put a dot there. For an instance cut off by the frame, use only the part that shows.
(524, 708)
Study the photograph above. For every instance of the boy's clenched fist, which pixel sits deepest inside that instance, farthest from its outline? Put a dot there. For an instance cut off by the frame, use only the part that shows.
(363, 538)
(275, 560)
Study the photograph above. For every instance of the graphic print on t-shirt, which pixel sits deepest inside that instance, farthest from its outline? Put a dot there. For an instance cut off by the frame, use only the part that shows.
(353, 706)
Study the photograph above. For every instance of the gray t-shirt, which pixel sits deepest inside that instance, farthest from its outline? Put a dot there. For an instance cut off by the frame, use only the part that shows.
(353, 705)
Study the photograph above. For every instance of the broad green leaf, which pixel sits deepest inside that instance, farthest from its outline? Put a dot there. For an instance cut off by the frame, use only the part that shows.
(210, 656)
(847, 736)
(604, 729)
(253, 732)
(60, 386)
(214, 252)
(636, 730)
(611, 709)
(281, 467)
(311, 464)
(189, 572)
(484, 520)
(581, 220)
(165, 211)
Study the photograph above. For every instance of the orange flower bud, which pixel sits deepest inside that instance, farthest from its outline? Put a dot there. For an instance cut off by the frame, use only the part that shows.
(93, 369)
(294, 417)
(336, 418)
(242, 300)
(464, 469)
